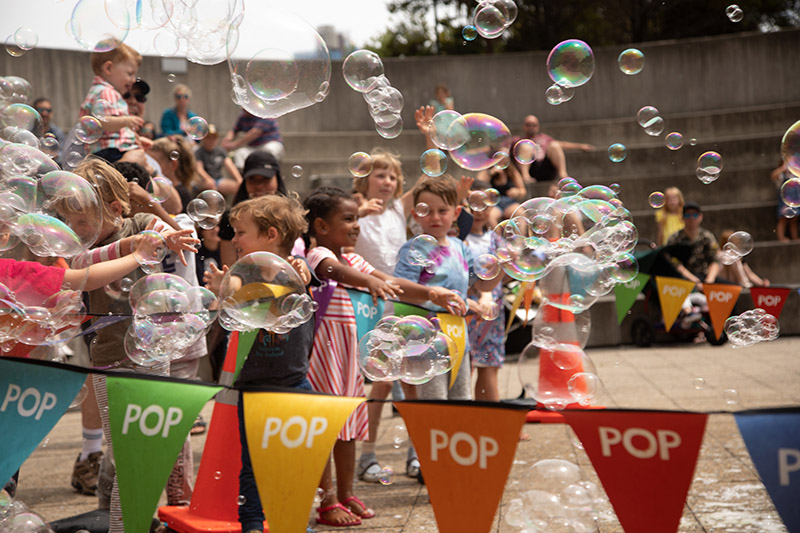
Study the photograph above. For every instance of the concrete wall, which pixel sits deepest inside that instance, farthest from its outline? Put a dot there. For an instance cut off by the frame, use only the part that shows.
(689, 76)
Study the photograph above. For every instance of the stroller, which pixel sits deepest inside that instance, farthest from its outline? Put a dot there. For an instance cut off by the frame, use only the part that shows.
(648, 326)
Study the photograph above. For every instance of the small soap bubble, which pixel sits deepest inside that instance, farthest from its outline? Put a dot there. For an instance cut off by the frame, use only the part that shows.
(692, 142)
(554, 95)
(125, 284)
(491, 312)
(360, 164)
(615, 187)
(433, 162)
(631, 61)
(297, 171)
(197, 128)
(362, 69)
(699, 383)
(171, 78)
(655, 127)
(386, 475)
(487, 266)
(469, 33)
(734, 13)
(80, 397)
(617, 152)
(477, 200)
(241, 500)
(731, 396)
(656, 199)
(318, 496)
(571, 63)
(174, 155)
(88, 129)
(25, 38)
(709, 166)
(525, 151)
(217, 475)
(422, 209)
(492, 196)
(674, 140)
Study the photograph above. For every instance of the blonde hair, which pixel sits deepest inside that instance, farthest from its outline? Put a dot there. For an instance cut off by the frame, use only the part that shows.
(677, 192)
(182, 88)
(283, 213)
(381, 159)
(443, 186)
(109, 183)
(122, 52)
(186, 172)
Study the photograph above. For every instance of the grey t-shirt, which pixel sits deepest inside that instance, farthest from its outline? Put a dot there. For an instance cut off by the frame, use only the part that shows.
(212, 160)
(278, 359)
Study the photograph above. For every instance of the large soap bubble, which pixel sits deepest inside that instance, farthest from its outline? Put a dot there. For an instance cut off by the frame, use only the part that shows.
(100, 25)
(790, 148)
(291, 70)
(571, 63)
(448, 130)
(261, 290)
(489, 142)
(362, 69)
(751, 327)
(206, 209)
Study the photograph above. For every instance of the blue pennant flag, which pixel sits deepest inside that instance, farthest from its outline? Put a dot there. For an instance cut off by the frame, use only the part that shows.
(367, 313)
(773, 440)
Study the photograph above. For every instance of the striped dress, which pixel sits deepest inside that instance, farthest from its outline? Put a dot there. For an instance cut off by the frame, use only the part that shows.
(333, 368)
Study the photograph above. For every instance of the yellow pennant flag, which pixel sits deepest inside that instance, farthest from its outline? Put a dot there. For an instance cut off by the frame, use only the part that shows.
(289, 437)
(454, 327)
(671, 293)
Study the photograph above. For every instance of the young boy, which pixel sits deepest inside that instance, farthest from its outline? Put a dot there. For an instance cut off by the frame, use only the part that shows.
(452, 270)
(212, 160)
(268, 224)
(114, 75)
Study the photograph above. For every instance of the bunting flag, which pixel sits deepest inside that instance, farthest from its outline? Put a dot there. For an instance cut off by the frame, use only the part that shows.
(626, 294)
(773, 441)
(645, 461)
(290, 436)
(33, 397)
(671, 293)
(149, 419)
(515, 306)
(721, 299)
(466, 450)
(770, 299)
(529, 287)
(367, 313)
(243, 347)
(404, 309)
(454, 327)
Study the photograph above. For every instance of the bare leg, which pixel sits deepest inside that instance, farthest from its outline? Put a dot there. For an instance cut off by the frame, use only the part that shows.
(780, 229)
(90, 413)
(486, 388)
(555, 153)
(344, 456)
(380, 391)
(330, 499)
(793, 228)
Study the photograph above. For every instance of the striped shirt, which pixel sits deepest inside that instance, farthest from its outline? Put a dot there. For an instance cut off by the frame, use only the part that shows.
(269, 128)
(124, 139)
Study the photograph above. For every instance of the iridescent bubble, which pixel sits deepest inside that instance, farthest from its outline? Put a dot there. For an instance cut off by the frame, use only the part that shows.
(101, 110)
(421, 250)
(674, 140)
(489, 20)
(489, 138)
(359, 164)
(692, 142)
(554, 94)
(709, 165)
(20, 117)
(422, 209)
(631, 61)
(617, 152)
(655, 128)
(525, 151)
(386, 475)
(656, 199)
(272, 74)
(734, 13)
(174, 155)
(433, 162)
(469, 33)
(699, 383)
(206, 209)
(361, 70)
(491, 312)
(571, 63)
(88, 130)
(25, 38)
(12, 49)
(390, 132)
(790, 192)
(492, 196)
(125, 284)
(159, 189)
(790, 148)
(197, 128)
(171, 78)
(487, 266)
(647, 114)
(624, 267)
(150, 247)
(448, 130)
(297, 171)
(477, 201)
(100, 25)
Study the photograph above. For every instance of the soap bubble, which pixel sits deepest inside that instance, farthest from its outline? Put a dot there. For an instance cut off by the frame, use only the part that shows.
(734, 13)
(150, 248)
(731, 396)
(487, 266)
(88, 130)
(491, 312)
(739, 244)
(692, 142)
(709, 166)
(469, 33)
(790, 148)
(360, 164)
(699, 383)
(261, 290)
(386, 475)
(631, 61)
(584, 387)
(489, 20)
(477, 201)
(617, 152)
(571, 63)
(674, 140)
(489, 138)
(525, 151)
(422, 209)
(492, 196)
(272, 74)
(206, 209)
(19, 117)
(655, 127)
(656, 199)
(174, 155)
(391, 132)
(790, 192)
(751, 327)
(421, 251)
(297, 171)
(646, 115)
(100, 25)
(361, 70)
(25, 38)
(159, 188)
(554, 94)
(448, 130)
(197, 128)
(171, 78)
(433, 162)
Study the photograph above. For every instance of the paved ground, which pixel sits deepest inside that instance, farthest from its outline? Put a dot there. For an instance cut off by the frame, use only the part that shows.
(726, 494)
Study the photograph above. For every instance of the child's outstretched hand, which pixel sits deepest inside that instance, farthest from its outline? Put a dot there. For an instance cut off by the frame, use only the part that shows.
(463, 188)
(302, 269)
(180, 241)
(213, 278)
(423, 116)
(370, 207)
(448, 299)
(381, 289)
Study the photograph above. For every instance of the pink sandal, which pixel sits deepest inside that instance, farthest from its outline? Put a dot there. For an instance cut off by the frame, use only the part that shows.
(365, 514)
(320, 520)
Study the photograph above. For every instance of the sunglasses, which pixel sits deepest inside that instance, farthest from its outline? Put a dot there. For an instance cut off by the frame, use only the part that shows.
(41, 110)
(138, 96)
(691, 215)
(182, 96)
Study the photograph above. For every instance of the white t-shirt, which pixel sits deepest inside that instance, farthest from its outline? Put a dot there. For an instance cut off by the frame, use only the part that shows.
(381, 237)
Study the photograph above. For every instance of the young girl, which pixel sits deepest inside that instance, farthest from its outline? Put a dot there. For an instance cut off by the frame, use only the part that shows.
(670, 217)
(333, 223)
(175, 156)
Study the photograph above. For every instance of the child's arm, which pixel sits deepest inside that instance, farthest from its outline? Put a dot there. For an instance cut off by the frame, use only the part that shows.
(775, 175)
(143, 203)
(126, 121)
(329, 268)
(415, 293)
(518, 191)
(754, 278)
(302, 269)
(423, 116)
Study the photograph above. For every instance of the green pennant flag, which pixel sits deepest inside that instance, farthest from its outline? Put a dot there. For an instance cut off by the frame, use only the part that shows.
(626, 294)
(246, 340)
(149, 419)
(404, 309)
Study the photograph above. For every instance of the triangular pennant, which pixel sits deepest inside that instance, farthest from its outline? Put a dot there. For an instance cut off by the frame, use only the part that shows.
(244, 344)
(33, 398)
(466, 451)
(529, 287)
(149, 421)
(721, 299)
(367, 313)
(626, 294)
(454, 327)
(515, 306)
(770, 299)
(630, 449)
(671, 293)
(289, 437)
(404, 309)
(773, 440)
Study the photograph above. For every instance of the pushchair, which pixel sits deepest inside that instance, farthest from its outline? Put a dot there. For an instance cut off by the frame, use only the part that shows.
(647, 325)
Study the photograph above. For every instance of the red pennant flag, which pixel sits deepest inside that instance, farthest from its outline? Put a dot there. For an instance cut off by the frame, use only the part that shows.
(466, 451)
(721, 299)
(645, 461)
(770, 299)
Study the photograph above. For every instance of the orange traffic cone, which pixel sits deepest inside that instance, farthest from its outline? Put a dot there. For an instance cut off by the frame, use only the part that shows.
(214, 507)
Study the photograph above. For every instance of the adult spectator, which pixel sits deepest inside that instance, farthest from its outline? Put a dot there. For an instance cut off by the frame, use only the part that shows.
(252, 133)
(148, 130)
(175, 120)
(212, 161)
(701, 265)
(44, 107)
(549, 160)
(443, 98)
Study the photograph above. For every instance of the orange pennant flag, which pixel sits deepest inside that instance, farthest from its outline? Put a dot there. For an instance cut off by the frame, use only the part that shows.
(721, 299)
(671, 293)
(466, 450)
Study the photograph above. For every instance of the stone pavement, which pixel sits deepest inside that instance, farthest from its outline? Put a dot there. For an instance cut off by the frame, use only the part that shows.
(726, 494)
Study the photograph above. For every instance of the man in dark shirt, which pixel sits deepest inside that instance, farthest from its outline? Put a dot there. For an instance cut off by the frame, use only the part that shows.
(701, 266)
(251, 133)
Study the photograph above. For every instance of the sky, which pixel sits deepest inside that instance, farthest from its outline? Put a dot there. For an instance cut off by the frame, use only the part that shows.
(358, 19)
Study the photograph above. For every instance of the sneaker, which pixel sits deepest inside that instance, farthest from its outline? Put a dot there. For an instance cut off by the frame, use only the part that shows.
(412, 467)
(371, 473)
(84, 473)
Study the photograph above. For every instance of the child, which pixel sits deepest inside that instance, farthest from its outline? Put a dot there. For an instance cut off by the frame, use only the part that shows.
(670, 217)
(739, 272)
(212, 160)
(114, 75)
(181, 170)
(452, 270)
(333, 223)
(787, 215)
(267, 224)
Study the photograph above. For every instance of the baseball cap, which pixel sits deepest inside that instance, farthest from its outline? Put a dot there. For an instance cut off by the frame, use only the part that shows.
(260, 163)
(692, 205)
(142, 85)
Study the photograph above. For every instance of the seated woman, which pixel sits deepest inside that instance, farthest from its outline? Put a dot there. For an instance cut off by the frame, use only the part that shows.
(175, 120)
(739, 272)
